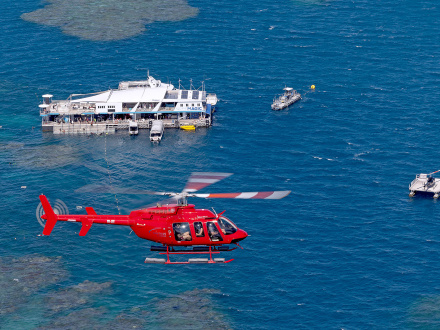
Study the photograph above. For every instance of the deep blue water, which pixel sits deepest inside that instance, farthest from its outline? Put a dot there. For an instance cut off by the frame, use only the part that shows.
(347, 249)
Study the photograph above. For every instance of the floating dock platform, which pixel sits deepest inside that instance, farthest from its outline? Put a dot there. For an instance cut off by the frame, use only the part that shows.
(111, 126)
(134, 101)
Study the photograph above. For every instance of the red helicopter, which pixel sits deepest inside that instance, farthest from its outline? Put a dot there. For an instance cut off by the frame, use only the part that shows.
(176, 225)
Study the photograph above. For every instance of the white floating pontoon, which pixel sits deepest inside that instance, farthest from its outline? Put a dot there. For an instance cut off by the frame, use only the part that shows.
(425, 183)
(140, 101)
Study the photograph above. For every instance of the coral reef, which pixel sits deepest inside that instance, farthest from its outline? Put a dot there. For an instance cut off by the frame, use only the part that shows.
(108, 19)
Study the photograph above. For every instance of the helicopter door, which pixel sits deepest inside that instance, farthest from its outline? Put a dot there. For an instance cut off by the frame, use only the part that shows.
(213, 232)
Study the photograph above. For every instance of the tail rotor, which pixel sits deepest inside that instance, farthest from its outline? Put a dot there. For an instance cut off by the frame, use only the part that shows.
(59, 208)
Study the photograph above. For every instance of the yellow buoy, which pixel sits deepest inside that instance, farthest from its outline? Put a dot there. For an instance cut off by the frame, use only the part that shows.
(312, 87)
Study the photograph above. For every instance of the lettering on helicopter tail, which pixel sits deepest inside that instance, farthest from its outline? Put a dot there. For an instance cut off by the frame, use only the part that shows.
(111, 221)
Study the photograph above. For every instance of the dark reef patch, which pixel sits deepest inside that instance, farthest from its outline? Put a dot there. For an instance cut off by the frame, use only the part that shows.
(109, 19)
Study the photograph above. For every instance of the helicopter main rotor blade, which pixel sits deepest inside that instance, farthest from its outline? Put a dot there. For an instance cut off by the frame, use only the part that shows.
(200, 180)
(247, 195)
(107, 189)
(196, 181)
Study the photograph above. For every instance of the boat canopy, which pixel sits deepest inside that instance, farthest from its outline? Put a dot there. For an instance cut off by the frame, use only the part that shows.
(157, 126)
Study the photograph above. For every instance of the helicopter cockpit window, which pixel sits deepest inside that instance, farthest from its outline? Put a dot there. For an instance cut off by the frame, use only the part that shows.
(213, 233)
(198, 227)
(226, 226)
(181, 231)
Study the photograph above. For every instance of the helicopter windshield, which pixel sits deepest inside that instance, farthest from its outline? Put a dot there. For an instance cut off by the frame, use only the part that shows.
(226, 226)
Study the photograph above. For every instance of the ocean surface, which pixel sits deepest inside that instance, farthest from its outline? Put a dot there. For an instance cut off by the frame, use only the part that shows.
(347, 249)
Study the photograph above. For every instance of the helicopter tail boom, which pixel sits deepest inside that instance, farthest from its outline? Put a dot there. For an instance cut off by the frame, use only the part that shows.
(86, 220)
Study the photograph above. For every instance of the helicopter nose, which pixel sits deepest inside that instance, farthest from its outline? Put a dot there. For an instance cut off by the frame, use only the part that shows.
(243, 234)
(239, 236)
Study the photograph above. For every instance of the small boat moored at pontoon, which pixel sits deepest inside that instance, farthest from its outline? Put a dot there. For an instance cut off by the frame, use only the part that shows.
(156, 131)
(188, 127)
(133, 128)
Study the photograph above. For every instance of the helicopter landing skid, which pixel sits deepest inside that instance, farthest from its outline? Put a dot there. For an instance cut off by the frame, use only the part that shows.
(197, 250)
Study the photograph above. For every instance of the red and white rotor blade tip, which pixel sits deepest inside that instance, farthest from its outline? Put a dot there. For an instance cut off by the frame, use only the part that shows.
(200, 180)
(248, 195)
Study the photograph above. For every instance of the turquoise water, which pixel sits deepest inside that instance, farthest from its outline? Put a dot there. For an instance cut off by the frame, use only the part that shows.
(347, 249)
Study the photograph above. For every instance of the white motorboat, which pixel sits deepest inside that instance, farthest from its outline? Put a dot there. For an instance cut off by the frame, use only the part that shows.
(289, 97)
(156, 131)
(133, 128)
(425, 183)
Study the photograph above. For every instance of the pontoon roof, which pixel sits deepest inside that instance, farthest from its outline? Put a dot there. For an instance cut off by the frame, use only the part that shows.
(131, 95)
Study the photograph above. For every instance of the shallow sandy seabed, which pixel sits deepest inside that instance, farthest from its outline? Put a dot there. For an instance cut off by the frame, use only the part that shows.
(109, 19)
